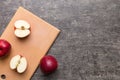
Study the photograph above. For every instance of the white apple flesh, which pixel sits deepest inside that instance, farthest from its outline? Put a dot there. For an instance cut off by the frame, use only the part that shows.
(22, 65)
(19, 23)
(22, 33)
(18, 63)
(22, 28)
(14, 62)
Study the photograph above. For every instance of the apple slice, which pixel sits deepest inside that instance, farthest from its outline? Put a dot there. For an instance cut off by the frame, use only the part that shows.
(18, 63)
(14, 62)
(19, 23)
(22, 65)
(22, 28)
(22, 33)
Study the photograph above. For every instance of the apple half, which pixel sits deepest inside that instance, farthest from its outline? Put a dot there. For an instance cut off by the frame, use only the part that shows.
(22, 28)
(18, 63)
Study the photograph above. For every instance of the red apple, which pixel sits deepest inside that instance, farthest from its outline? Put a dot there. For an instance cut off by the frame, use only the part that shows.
(4, 47)
(48, 64)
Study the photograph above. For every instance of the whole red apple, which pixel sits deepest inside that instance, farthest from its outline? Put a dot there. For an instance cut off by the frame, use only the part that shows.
(48, 64)
(4, 47)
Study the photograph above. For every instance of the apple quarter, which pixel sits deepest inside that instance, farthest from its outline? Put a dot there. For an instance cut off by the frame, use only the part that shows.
(33, 48)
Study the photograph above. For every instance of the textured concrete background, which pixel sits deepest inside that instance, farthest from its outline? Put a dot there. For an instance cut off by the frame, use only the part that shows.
(88, 47)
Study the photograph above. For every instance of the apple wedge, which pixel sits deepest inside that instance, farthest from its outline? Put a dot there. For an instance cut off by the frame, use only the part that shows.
(14, 62)
(22, 65)
(22, 28)
(18, 63)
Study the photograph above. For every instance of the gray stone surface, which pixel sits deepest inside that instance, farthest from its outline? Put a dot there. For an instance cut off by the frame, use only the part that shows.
(88, 47)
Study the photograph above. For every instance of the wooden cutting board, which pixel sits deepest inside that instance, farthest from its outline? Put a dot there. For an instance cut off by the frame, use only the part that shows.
(33, 47)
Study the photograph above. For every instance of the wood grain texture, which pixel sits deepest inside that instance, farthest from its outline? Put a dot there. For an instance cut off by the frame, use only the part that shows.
(33, 47)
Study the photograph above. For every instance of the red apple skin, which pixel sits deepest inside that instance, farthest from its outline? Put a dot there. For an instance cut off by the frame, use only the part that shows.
(4, 47)
(48, 64)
